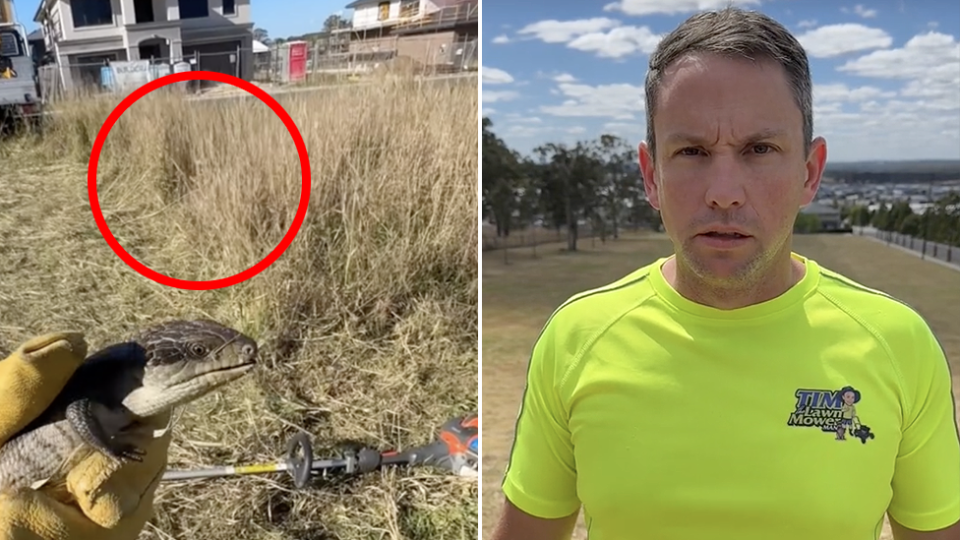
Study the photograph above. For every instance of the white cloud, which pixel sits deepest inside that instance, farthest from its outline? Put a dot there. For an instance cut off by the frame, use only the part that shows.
(839, 39)
(554, 31)
(631, 132)
(520, 131)
(824, 93)
(807, 23)
(921, 120)
(565, 77)
(861, 11)
(605, 37)
(518, 118)
(617, 42)
(617, 101)
(930, 65)
(672, 7)
(878, 129)
(501, 39)
(495, 76)
(919, 57)
(496, 96)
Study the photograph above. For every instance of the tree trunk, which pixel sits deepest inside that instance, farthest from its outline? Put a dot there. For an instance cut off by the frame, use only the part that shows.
(615, 221)
(571, 225)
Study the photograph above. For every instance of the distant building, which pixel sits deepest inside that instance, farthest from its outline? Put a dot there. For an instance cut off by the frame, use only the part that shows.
(82, 36)
(430, 33)
(828, 215)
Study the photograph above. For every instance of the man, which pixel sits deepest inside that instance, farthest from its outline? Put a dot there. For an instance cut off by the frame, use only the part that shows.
(105, 502)
(735, 390)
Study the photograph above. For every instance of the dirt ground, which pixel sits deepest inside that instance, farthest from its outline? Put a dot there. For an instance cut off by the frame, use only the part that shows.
(519, 296)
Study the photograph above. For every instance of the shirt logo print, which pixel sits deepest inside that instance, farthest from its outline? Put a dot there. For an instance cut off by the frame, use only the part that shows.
(832, 411)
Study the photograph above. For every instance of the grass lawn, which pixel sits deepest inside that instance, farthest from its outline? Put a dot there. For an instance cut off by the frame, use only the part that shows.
(519, 297)
(367, 322)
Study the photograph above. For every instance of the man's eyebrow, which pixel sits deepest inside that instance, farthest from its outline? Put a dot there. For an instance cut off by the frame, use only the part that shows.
(689, 138)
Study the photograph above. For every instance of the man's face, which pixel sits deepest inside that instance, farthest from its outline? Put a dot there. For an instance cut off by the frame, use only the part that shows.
(729, 158)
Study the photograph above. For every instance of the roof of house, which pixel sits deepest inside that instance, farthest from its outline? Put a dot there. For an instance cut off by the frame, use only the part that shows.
(40, 9)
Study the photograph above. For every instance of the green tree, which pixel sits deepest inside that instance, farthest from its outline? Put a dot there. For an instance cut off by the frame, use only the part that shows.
(859, 215)
(912, 225)
(335, 22)
(501, 180)
(618, 182)
(806, 223)
(262, 36)
(568, 181)
(899, 213)
(882, 219)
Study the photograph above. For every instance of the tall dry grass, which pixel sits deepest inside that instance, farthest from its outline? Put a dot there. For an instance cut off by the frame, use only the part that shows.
(368, 322)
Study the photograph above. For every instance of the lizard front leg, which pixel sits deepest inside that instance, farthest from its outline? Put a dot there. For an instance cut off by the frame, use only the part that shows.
(102, 428)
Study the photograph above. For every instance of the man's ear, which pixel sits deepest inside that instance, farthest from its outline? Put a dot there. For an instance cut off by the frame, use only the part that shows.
(816, 162)
(649, 171)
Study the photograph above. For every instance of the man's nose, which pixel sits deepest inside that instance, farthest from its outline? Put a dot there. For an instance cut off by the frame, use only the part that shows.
(725, 182)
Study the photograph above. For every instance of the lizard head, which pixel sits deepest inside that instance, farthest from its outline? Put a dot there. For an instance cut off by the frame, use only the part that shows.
(187, 359)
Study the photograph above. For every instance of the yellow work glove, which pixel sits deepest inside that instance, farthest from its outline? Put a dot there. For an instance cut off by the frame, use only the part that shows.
(109, 502)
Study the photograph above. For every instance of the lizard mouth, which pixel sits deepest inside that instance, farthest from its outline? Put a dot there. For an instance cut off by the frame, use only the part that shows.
(185, 386)
(216, 375)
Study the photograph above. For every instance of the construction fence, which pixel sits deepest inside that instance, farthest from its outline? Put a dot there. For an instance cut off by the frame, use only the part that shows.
(113, 73)
(322, 64)
(58, 82)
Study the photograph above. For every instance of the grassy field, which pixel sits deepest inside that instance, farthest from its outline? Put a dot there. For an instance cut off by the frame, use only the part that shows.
(367, 324)
(519, 297)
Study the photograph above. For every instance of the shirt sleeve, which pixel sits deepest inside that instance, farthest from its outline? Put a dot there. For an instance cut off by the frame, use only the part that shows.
(926, 481)
(540, 478)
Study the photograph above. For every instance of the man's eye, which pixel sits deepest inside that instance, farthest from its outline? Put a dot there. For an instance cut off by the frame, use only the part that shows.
(762, 148)
(689, 151)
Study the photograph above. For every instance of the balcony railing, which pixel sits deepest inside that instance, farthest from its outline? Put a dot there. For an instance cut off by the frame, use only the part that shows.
(463, 12)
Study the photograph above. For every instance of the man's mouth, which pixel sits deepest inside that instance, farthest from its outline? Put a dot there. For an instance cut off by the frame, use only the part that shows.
(715, 234)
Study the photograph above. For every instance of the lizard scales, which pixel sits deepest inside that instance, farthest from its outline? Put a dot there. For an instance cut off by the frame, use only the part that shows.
(161, 367)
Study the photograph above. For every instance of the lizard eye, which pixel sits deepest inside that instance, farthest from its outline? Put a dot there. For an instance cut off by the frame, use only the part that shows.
(198, 349)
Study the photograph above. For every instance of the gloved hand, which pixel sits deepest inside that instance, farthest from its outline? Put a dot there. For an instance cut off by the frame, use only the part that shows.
(109, 502)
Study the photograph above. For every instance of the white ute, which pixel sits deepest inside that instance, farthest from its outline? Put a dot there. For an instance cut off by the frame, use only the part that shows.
(19, 85)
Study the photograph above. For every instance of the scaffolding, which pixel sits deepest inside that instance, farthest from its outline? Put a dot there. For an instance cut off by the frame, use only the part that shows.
(462, 13)
(443, 40)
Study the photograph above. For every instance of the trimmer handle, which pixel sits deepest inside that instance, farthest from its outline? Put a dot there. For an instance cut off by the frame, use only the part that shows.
(457, 448)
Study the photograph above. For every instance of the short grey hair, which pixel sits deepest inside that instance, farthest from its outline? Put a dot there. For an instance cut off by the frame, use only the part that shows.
(737, 33)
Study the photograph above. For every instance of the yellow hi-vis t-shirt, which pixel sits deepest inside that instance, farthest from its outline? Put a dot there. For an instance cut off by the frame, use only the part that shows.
(806, 416)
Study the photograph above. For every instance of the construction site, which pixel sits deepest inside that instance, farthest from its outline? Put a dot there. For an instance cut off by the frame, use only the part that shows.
(425, 38)
(433, 37)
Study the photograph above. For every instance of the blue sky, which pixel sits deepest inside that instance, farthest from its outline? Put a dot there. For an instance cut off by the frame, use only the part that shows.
(886, 73)
(281, 18)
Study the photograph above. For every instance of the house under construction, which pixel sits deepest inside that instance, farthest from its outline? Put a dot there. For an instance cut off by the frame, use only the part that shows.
(432, 35)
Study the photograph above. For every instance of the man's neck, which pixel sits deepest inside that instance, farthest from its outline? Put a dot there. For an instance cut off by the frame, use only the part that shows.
(779, 278)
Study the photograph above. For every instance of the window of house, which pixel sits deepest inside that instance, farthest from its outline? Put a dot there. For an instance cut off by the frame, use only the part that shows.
(194, 9)
(229, 7)
(409, 8)
(91, 13)
(383, 11)
(143, 11)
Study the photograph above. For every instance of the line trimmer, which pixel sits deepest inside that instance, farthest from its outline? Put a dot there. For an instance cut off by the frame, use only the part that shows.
(456, 450)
